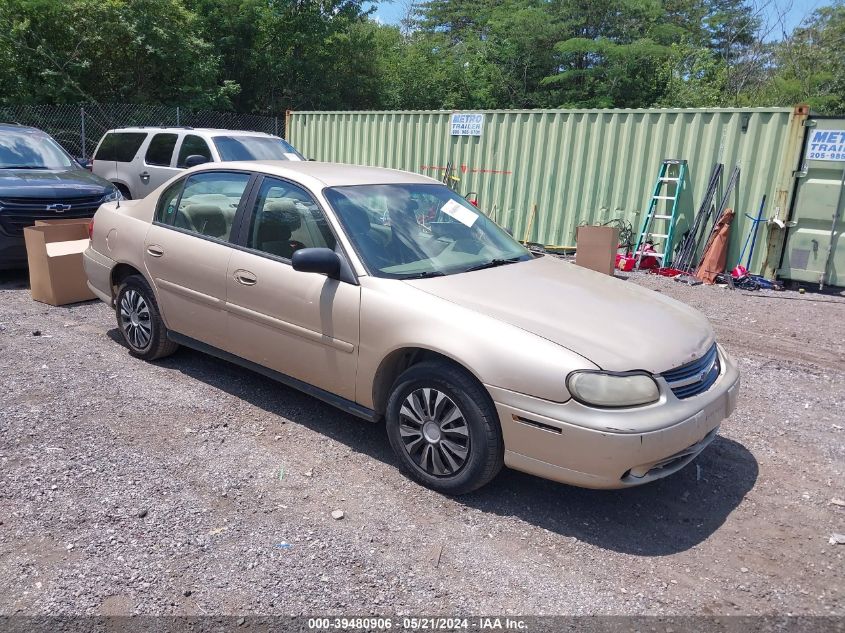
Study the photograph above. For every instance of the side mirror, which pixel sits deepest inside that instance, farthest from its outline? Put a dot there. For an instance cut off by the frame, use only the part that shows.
(195, 159)
(316, 260)
(85, 163)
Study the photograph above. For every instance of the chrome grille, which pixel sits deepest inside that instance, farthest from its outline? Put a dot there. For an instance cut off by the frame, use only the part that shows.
(17, 213)
(695, 377)
(43, 202)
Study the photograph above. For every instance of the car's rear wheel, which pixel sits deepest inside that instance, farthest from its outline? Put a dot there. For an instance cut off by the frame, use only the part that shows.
(444, 428)
(139, 320)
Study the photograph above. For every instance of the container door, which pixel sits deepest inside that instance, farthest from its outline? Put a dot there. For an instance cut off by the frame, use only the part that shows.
(815, 250)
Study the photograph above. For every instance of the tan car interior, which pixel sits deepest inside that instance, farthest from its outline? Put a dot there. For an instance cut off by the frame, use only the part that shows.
(282, 224)
(210, 214)
(286, 224)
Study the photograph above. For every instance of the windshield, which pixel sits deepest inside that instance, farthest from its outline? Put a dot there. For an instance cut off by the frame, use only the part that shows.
(410, 230)
(28, 150)
(255, 148)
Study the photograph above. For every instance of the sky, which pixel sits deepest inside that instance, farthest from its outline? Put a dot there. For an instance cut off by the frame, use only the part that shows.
(391, 11)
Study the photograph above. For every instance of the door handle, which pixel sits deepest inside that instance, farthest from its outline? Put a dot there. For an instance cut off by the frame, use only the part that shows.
(245, 277)
(155, 251)
(145, 177)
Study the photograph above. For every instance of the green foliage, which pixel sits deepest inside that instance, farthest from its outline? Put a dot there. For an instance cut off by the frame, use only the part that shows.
(809, 67)
(696, 78)
(267, 56)
(148, 51)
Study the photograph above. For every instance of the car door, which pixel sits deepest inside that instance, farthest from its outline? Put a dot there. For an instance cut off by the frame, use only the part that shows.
(187, 250)
(157, 163)
(304, 325)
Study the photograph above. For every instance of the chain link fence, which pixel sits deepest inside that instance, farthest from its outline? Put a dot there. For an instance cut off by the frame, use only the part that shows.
(80, 127)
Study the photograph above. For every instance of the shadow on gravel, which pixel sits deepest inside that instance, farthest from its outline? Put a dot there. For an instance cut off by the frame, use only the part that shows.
(658, 519)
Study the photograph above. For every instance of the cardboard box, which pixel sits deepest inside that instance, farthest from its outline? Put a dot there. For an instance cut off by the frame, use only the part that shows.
(596, 248)
(54, 251)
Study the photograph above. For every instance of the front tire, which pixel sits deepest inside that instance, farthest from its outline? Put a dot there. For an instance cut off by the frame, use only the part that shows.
(444, 428)
(139, 320)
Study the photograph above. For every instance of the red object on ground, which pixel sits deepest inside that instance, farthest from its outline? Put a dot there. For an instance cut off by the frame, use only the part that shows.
(625, 263)
(668, 271)
(647, 261)
(739, 271)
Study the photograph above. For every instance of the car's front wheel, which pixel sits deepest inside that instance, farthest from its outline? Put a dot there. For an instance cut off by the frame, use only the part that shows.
(444, 428)
(139, 320)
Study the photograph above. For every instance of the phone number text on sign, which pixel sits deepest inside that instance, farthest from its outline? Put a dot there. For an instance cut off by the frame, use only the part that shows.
(826, 145)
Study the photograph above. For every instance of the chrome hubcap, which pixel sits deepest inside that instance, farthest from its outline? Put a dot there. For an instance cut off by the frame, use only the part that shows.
(135, 319)
(434, 432)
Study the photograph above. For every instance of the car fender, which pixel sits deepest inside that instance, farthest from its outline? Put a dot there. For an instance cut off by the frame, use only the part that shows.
(395, 316)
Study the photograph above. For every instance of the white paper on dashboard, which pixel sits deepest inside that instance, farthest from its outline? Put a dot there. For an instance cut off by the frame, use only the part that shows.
(459, 212)
(291, 156)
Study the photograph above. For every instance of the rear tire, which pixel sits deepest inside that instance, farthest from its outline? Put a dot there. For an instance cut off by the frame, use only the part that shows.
(444, 429)
(139, 320)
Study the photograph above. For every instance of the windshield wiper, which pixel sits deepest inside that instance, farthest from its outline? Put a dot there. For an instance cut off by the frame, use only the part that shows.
(423, 275)
(24, 167)
(493, 263)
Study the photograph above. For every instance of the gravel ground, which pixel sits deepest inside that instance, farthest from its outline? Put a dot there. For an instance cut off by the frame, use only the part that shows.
(191, 486)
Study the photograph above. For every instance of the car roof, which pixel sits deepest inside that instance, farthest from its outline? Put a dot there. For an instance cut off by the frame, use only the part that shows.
(14, 127)
(319, 175)
(194, 130)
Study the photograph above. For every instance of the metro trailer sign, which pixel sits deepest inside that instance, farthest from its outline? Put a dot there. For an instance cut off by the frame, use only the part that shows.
(466, 123)
(826, 145)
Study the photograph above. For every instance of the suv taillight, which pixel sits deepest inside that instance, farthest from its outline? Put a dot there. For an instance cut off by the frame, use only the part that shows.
(91, 229)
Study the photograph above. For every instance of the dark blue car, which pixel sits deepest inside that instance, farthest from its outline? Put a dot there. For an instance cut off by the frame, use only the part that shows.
(38, 181)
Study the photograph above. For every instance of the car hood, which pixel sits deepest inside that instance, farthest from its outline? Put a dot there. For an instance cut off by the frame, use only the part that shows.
(58, 184)
(617, 325)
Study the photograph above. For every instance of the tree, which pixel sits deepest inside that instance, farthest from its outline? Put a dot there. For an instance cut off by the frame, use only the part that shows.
(146, 51)
(608, 54)
(809, 66)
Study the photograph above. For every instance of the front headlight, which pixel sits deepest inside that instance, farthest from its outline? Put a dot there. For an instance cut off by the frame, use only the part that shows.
(114, 195)
(607, 389)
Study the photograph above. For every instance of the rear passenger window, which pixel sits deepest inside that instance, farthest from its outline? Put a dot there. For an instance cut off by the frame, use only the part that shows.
(285, 219)
(209, 203)
(166, 209)
(120, 146)
(193, 145)
(160, 150)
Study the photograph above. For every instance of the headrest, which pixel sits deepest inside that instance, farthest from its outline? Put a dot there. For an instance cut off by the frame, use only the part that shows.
(208, 219)
(356, 218)
(281, 211)
(280, 204)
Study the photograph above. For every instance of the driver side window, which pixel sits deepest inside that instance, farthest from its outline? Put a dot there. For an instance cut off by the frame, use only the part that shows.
(285, 218)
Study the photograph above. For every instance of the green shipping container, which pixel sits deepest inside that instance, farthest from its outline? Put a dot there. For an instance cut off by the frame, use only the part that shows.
(577, 166)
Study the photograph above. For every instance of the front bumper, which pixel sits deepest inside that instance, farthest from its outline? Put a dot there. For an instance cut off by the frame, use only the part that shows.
(595, 448)
(12, 251)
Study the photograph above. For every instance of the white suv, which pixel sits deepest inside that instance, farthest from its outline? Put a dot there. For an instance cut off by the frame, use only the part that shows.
(140, 159)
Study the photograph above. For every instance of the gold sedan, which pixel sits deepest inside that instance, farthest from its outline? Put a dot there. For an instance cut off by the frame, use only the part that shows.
(388, 295)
